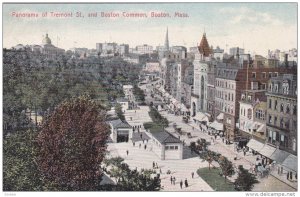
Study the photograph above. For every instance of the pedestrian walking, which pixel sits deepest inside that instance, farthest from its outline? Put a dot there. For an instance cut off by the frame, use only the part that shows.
(153, 165)
(244, 152)
(140, 145)
(181, 183)
(160, 172)
(186, 183)
(127, 152)
(156, 166)
(192, 175)
(145, 147)
(141, 135)
(171, 179)
(133, 143)
(174, 180)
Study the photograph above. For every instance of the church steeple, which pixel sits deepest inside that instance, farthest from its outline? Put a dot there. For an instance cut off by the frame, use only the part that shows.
(166, 46)
(204, 48)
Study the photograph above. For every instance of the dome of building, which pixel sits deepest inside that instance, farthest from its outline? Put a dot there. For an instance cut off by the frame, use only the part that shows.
(46, 40)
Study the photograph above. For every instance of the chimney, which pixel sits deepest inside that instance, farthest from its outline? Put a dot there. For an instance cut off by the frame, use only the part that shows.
(286, 60)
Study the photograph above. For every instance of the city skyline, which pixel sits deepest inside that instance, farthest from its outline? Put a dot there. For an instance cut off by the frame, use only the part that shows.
(227, 25)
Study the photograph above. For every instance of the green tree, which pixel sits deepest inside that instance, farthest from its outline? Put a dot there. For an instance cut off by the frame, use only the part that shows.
(119, 111)
(132, 180)
(226, 167)
(72, 145)
(245, 180)
(20, 170)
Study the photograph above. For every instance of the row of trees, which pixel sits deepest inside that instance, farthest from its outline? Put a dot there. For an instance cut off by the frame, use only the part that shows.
(245, 180)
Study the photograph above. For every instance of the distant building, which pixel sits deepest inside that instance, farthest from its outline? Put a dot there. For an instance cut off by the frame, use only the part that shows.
(123, 49)
(144, 49)
(236, 51)
(152, 67)
(109, 49)
(99, 47)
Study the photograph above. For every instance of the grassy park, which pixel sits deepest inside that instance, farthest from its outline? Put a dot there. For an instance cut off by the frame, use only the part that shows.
(213, 178)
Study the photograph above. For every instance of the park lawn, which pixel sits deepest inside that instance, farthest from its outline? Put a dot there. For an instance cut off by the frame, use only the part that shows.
(153, 127)
(214, 180)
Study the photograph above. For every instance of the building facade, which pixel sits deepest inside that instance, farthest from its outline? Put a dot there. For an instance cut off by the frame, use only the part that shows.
(282, 112)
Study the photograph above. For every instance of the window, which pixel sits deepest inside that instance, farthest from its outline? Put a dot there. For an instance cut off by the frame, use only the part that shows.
(287, 110)
(264, 75)
(270, 103)
(281, 122)
(167, 147)
(275, 105)
(249, 114)
(176, 147)
(171, 147)
(270, 119)
(275, 74)
(263, 86)
(253, 75)
(295, 110)
(270, 74)
(275, 120)
(281, 107)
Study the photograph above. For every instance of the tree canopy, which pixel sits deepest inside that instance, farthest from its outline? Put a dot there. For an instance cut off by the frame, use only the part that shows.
(72, 145)
(132, 180)
(245, 180)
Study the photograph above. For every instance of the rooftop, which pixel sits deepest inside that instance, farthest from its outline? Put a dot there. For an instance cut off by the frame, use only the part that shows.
(165, 137)
(119, 124)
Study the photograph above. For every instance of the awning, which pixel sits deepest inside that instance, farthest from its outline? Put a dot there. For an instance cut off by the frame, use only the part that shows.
(183, 107)
(267, 150)
(220, 116)
(261, 128)
(291, 162)
(201, 117)
(255, 145)
(279, 156)
(217, 126)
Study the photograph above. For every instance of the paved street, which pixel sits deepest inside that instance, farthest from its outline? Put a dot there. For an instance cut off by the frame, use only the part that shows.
(181, 169)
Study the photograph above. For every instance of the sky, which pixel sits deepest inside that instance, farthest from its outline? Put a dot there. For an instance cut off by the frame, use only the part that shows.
(253, 26)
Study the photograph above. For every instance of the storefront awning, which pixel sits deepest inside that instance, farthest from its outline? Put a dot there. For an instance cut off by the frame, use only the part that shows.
(267, 150)
(279, 156)
(291, 162)
(217, 126)
(220, 116)
(201, 117)
(255, 145)
(183, 107)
